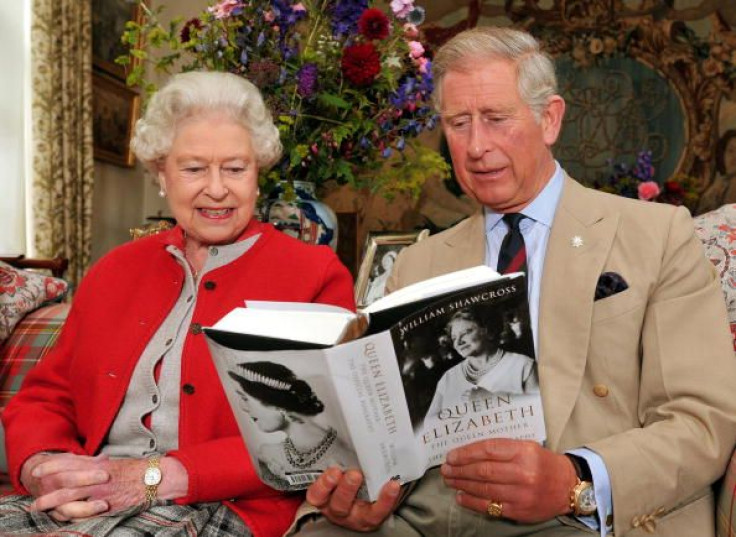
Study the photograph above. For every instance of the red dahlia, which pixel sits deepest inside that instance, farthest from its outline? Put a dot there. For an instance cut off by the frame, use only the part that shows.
(192, 25)
(373, 24)
(361, 63)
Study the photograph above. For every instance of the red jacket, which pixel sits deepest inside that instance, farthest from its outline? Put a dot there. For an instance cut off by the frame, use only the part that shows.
(69, 400)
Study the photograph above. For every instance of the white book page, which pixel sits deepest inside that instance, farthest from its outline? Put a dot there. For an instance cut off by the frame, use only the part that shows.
(437, 286)
(320, 327)
(295, 306)
(366, 377)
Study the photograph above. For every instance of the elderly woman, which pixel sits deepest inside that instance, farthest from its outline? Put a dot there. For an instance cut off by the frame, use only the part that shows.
(125, 424)
(486, 367)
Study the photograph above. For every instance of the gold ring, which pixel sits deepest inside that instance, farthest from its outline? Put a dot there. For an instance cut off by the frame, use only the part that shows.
(495, 509)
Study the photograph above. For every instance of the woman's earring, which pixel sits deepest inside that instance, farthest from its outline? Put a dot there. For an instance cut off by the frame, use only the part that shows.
(161, 193)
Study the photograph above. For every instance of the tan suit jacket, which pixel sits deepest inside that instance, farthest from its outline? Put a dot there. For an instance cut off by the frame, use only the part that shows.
(659, 355)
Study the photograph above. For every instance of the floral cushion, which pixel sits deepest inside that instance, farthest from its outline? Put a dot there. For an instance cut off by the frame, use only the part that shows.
(717, 231)
(21, 292)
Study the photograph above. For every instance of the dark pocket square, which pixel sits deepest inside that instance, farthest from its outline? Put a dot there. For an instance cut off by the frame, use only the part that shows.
(609, 284)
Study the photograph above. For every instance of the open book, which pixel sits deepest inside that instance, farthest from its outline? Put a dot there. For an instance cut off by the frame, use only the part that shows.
(389, 390)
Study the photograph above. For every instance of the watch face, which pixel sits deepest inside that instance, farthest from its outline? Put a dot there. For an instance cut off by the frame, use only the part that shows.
(586, 501)
(152, 477)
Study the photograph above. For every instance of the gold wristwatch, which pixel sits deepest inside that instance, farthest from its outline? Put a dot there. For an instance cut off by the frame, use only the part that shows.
(582, 494)
(582, 499)
(152, 478)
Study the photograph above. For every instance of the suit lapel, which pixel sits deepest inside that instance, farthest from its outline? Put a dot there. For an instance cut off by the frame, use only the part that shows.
(465, 246)
(566, 299)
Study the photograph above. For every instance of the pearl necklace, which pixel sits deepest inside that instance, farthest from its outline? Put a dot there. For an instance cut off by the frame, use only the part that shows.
(475, 374)
(305, 459)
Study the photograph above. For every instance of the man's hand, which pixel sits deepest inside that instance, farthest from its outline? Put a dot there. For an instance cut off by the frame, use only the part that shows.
(334, 494)
(532, 483)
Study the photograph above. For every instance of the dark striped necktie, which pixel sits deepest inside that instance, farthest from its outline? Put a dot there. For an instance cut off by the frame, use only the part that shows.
(512, 255)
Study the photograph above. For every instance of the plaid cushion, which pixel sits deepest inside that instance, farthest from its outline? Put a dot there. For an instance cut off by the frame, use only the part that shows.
(31, 340)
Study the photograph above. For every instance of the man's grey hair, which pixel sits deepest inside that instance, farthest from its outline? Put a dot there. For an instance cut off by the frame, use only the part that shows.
(198, 94)
(537, 81)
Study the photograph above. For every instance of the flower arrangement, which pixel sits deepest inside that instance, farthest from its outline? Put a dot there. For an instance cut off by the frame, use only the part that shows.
(348, 83)
(637, 181)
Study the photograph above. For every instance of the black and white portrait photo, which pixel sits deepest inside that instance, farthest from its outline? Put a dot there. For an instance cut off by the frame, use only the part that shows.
(461, 354)
(299, 436)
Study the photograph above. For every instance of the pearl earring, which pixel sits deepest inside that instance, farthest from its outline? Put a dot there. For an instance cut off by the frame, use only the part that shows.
(161, 193)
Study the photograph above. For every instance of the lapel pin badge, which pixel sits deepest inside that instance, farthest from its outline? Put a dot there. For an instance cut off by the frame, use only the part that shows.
(576, 241)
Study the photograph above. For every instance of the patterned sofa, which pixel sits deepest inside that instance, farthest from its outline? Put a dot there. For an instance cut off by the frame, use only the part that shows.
(37, 332)
(32, 337)
(717, 231)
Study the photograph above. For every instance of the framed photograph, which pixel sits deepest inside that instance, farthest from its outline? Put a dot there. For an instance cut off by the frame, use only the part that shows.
(108, 24)
(380, 252)
(115, 109)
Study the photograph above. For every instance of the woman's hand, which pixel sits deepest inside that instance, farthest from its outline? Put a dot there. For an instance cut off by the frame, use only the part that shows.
(334, 493)
(44, 473)
(60, 481)
(121, 489)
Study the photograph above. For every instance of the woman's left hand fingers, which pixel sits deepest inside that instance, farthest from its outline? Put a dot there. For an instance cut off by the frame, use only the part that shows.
(77, 510)
(54, 499)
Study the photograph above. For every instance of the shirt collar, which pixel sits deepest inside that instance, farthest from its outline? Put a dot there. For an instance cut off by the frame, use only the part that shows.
(541, 209)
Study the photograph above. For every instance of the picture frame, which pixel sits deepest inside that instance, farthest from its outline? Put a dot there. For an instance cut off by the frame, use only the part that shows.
(115, 109)
(380, 251)
(108, 24)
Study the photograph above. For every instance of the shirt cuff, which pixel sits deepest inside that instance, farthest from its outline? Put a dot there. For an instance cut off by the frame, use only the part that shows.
(602, 489)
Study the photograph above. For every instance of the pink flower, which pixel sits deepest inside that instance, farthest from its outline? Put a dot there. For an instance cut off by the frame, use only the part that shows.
(224, 8)
(298, 8)
(648, 190)
(410, 30)
(423, 62)
(268, 16)
(416, 50)
(402, 8)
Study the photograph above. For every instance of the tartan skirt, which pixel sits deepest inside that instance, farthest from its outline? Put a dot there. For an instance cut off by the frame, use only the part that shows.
(164, 519)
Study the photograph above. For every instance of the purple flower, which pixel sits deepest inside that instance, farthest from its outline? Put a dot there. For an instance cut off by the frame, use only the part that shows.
(307, 80)
(345, 16)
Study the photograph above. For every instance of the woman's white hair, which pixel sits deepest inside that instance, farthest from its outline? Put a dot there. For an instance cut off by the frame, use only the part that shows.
(537, 81)
(199, 93)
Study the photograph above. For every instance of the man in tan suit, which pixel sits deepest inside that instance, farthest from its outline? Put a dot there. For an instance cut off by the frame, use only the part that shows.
(636, 367)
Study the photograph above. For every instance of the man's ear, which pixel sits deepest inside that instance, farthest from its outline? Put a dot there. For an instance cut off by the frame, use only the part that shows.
(552, 117)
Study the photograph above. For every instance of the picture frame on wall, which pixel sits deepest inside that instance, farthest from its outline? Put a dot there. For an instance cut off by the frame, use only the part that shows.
(115, 109)
(380, 252)
(108, 24)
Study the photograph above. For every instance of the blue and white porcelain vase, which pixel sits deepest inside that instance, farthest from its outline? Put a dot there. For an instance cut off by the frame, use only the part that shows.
(305, 218)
